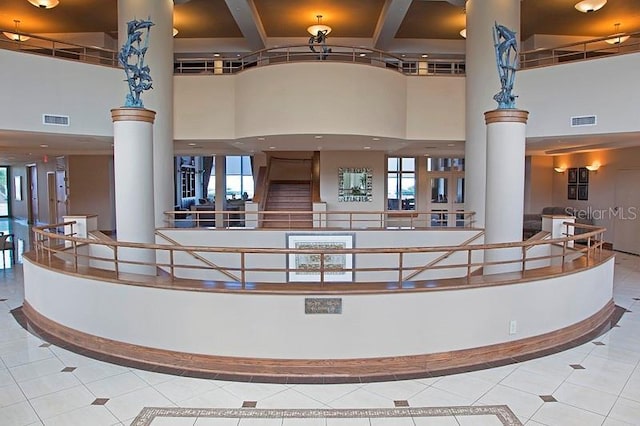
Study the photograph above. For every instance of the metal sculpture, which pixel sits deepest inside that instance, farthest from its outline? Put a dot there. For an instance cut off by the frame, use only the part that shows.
(320, 39)
(137, 72)
(504, 41)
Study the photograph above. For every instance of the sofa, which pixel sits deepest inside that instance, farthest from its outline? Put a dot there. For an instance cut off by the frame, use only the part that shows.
(532, 223)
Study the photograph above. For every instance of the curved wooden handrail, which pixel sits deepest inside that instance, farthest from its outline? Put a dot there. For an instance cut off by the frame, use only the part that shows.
(52, 246)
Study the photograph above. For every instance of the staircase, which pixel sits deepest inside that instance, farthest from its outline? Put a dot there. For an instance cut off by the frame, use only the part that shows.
(288, 196)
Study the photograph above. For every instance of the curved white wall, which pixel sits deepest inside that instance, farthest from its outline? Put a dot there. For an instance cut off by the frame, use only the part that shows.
(275, 326)
(338, 98)
(320, 97)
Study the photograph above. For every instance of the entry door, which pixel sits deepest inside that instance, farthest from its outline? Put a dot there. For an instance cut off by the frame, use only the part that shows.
(32, 189)
(446, 194)
(51, 194)
(61, 195)
(626, 224)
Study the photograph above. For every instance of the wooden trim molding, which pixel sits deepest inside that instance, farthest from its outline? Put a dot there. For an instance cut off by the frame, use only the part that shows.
(506, 115)
(313, 370)
(133, 114)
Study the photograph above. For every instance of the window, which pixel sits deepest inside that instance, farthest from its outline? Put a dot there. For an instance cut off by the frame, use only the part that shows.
(401, 183)
(239, 177)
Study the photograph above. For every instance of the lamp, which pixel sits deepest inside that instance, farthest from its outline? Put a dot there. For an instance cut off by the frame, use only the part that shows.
(16, 36)
(463, 32)
(587, 6)
(175, 32)
(618, 36)
(593, 167)
(44, 4)
(313, 29)
(560, 169)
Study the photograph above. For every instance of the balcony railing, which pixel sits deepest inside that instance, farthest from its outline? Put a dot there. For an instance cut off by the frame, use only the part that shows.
(249, 268)
(209, 64)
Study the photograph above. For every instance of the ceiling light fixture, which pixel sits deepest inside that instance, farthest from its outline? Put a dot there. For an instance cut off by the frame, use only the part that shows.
(175, 32)
(44, 4)
(314, 29)
(587, 6)
(463, 33)
(16, 36)
(560, 169)
(618, 36)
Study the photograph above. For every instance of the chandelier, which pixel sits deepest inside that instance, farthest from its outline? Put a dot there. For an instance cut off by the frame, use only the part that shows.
(587, 6)
(314, 29)
(16, 36)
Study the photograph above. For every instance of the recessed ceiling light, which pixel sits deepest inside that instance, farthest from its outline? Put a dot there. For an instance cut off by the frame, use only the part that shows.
(366, 147)
(192, 144)
(375, 139)
(44, 145)
(363, 54)
(425, 55)
(318, 136)
(451, 144)
(216, 55)
(260, 138)
(272, 147)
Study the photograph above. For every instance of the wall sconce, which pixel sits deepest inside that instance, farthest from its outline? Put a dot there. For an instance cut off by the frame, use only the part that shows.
(593, 167)
(560, 169)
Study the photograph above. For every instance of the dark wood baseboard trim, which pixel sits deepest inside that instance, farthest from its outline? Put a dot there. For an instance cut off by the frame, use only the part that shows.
(318, 371)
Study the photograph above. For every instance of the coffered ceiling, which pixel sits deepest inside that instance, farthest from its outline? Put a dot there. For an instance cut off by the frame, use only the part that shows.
(240, 26)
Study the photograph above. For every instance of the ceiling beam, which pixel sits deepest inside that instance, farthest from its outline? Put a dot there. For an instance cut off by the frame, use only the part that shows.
(389, 21)
(249, 22)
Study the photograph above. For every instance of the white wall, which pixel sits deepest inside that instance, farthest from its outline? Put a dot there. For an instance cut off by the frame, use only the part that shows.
(39, 85)
(278, 239)
(91, 188)
(308, 98)
(602, 185)
(435, 108)
(320, 97)
(249, 324)
(607, 87)
(331, 161)
(538, 183)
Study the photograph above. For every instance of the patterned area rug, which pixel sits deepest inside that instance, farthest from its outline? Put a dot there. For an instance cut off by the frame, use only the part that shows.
(501, 413)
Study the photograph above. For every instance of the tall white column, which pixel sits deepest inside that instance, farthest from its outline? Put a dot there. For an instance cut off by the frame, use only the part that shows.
(159, 57)
(482, 82)
(133, 170)
(506, 130)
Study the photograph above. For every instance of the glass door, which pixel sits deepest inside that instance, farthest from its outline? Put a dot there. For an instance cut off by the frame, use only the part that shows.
(445, 177)
(4, 191)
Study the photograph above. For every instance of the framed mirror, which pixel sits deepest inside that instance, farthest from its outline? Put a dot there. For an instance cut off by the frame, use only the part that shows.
(355, 184)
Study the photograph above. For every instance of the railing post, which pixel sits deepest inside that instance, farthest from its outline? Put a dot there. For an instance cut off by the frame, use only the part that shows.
(322, 269)
(75, 254)
(242, 269)
(171, 265)
(524, 259)
(468, 265)
(115, 260)
(400, 264)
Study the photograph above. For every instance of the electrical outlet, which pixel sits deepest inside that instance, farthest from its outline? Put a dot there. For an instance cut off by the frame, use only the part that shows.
(513, 327)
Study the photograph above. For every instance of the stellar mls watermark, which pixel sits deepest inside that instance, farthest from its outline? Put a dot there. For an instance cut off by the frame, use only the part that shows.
(609, 213)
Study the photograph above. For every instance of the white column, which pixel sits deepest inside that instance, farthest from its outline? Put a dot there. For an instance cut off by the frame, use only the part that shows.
(160, 99)
(506, 130)
(133, 170)
(482, 82)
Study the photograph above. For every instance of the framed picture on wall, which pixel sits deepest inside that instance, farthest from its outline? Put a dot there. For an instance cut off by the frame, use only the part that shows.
(572, 192)
(583, 192)
(572, 175)
(18, 187)
(583, 175)
(306, 266)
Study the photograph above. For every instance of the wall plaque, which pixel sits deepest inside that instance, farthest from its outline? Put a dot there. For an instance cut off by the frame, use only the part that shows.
(323, 305)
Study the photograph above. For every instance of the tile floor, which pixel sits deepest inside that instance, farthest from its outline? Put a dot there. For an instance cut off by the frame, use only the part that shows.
(592, 384)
